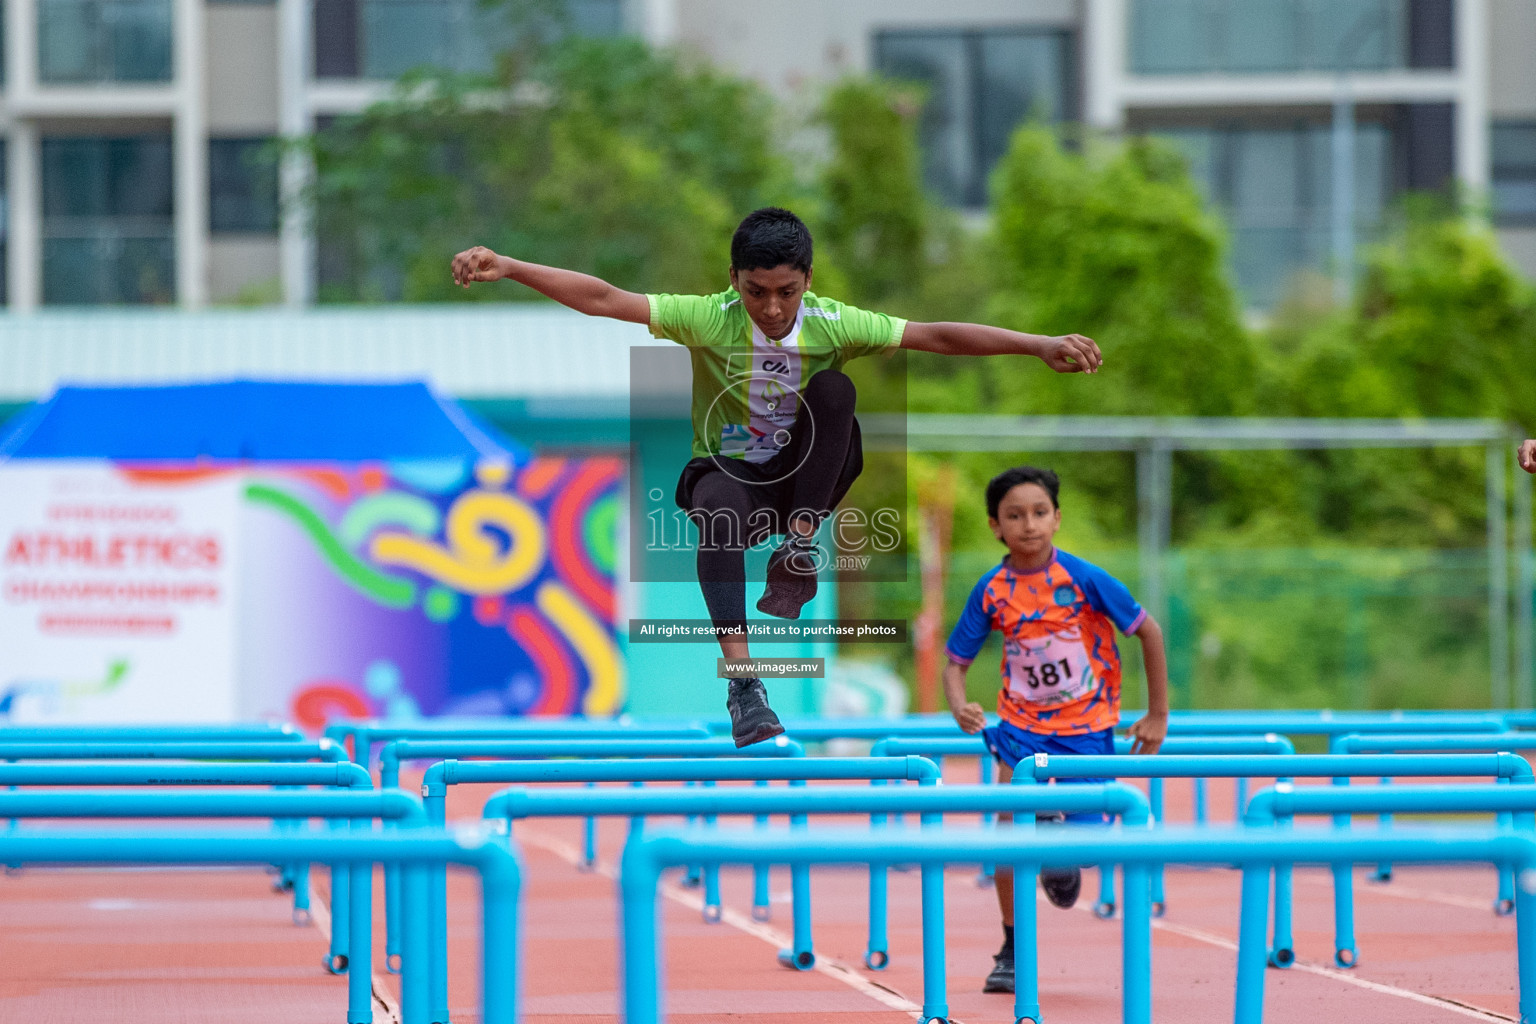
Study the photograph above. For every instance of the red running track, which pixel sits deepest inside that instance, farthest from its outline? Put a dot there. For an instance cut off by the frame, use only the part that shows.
(215, 946)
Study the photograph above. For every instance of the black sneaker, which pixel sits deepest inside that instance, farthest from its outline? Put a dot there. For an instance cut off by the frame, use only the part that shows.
(791, 579)
(752, 720)
(1001, 978)
(1062, 885)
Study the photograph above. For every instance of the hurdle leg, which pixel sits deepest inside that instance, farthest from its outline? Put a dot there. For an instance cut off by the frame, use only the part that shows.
(762, 910)
(437, 898)
(877, 949)
(1383, 872)
(588, 841)
(801, 956)
(301, 906)
(1200, 815)
(712, 911)
(1239, 799)
(1525, 938)
(1155, 798)
(693, 874)
(935, 969)
(415, 967)
(360, 951)
(337, 961)
(1105, 908)
(986, 776)
(1250, 945)
(1136, 945)
(1505, 904)
(1344, 952)
(1282, 951)
(1026, 929)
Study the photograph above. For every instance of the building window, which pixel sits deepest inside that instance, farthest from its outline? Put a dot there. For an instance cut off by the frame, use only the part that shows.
(107, 230)
(104, 40)
(980, 87)
(242, 186)
(387, 38)
(1273, 184)
(1514, 172)
(1257, 36)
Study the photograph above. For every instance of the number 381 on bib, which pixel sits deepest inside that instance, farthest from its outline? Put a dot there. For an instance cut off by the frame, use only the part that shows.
(1049, 670)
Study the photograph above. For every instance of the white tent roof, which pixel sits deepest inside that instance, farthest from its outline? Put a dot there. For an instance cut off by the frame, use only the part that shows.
(470, 351)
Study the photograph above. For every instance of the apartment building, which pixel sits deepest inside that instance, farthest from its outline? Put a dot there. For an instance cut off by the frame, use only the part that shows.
(132, 129)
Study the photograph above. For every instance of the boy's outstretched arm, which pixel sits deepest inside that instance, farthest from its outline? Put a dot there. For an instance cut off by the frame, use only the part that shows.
(582, 292)
(969, 715)
(1151, 729)
(1067, 353)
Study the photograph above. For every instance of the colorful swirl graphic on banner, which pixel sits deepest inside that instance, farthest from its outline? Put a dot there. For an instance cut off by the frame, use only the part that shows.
(532, 550)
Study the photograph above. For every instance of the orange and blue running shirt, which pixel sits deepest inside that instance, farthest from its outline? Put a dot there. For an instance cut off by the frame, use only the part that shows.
(1061, 668)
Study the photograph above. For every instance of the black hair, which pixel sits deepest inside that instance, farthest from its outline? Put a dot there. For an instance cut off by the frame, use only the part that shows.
(771, 237)
(1008, 479)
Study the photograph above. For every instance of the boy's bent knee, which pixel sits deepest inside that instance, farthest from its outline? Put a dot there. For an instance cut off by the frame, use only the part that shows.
(831, 385)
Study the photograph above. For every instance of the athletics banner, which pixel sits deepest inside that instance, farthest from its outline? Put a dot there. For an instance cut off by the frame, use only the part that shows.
(302, 592)
(118, 594)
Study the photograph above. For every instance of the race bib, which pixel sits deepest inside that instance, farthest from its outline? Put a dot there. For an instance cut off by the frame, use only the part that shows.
(1049, 670)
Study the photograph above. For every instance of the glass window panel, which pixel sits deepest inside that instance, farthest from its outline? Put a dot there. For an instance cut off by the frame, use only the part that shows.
(399, 35)
(596, 17)
(1266, 185)
(1514, 147)
(1266, 36)
(939, 63)
(1514, 200)
(74, 178)
(104, 40)
(140, 176)
(1023, 77)
(242, 185)
(1199, 148)
(1261, 35)
(107, 205)
(66, 41)
(139, 33)
(1171, 36)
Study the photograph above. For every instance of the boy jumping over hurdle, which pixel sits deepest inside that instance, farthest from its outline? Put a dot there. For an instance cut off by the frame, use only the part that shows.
(1061, 669)
(775, 442)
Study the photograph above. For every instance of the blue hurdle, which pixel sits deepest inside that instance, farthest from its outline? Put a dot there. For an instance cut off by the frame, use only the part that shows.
(1279, 804)
(341, 774)
(618, 745)
(363, 735)
(929, 801)
(1500, 766)
(794, 770)
(1401, 743)
(1104, 908)
(646, 856)
(355, 805)
(500, 873)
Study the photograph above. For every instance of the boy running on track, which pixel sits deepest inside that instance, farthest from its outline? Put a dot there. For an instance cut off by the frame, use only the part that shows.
(775, 442)
(1061, 668)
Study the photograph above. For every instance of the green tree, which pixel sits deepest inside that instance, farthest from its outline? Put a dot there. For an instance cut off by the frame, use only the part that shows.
(601, 155)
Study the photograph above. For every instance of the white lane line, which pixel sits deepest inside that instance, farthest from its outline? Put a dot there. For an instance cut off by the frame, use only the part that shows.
(1408, 892)
(832, 968)
(1308, 967)
(320, 914)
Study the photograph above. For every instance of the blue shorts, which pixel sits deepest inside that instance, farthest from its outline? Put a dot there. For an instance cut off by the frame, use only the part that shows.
(1010, 745)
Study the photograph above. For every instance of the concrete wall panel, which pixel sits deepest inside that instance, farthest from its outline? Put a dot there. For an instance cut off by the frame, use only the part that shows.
(243, 267)
(797, 42)
(242, 69)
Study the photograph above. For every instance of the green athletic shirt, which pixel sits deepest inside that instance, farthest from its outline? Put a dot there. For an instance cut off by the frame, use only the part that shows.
(746, 386)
